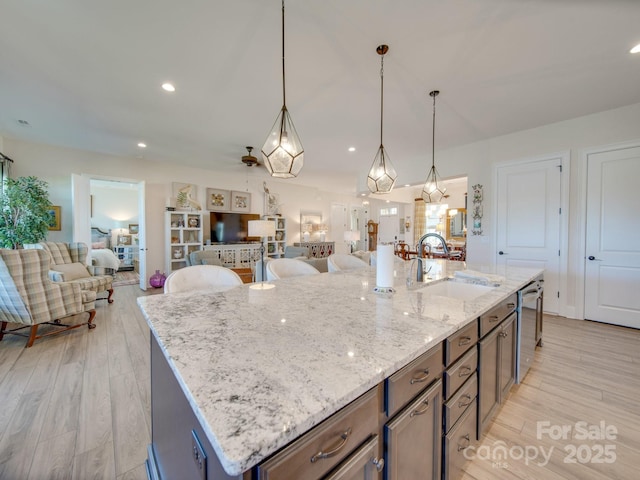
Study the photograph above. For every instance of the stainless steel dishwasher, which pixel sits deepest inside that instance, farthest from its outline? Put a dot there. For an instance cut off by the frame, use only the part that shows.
(530, 300)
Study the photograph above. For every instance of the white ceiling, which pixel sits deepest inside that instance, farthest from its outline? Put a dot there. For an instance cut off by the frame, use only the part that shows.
(88, 75)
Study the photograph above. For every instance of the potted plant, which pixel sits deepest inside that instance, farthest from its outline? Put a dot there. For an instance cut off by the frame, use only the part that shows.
(24, 212)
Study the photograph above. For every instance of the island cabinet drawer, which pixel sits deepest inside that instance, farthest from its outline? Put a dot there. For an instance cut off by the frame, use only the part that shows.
(406, 383)
(491, 319)
(460, 372)
(460, 342)
(456, 405)
(456, 442)
(322, 448)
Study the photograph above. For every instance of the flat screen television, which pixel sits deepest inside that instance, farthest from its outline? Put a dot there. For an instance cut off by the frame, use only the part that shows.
(231, 227)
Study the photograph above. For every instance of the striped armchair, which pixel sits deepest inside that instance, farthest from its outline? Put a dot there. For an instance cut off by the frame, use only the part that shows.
(28, 297)
(69, 264)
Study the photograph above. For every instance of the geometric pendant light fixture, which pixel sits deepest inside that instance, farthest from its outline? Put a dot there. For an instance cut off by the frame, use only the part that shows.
(382, 176)
(282, 152)
(433, 189)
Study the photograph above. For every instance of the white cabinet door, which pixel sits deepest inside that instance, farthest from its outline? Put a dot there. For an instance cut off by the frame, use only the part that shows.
(612, 264)
(528, 221)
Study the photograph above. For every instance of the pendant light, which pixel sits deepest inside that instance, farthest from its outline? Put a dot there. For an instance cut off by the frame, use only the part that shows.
(282, 152)
(382, 175)
(433, 189)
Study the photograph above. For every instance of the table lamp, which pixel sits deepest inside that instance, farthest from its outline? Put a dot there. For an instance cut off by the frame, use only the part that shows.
(262, 229)
(352, 236)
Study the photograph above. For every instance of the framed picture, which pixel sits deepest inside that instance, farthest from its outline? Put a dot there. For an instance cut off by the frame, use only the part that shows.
(271, 203)
(240, 201)
(124, 239)
(218, 200)
(55, 222)
(186, 195)
(133, 228)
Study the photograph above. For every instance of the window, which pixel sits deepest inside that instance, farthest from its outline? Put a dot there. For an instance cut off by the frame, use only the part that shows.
(387, 212)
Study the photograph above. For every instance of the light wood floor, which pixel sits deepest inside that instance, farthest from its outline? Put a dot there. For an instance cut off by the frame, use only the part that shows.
(77, 406)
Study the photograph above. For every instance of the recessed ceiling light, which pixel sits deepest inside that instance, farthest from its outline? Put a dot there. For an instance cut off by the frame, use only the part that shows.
(142, 145)
(352, 149)
(635, 49)
(407, 185)
(168, 87)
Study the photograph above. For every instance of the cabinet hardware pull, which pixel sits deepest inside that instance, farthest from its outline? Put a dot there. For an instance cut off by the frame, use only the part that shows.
(461, 403)
(464, 341)
(503, 334)
(344, 436)
(466, 437)
(378, 463)
(420, 412)
(493, 318)
(511, 305)
(420, 379)
(464, 371)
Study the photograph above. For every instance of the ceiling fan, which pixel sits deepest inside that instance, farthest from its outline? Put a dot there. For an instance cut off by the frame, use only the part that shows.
(248, 159)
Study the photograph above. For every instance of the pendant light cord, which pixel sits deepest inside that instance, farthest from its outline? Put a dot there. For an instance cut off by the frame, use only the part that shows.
(381, 94)
(433, 135)
(284, 96)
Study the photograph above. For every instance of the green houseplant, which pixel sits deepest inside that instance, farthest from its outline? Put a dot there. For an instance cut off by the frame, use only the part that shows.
(24, 212)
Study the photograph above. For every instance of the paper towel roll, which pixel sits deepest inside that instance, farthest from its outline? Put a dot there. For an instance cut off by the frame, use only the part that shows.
(384, 266)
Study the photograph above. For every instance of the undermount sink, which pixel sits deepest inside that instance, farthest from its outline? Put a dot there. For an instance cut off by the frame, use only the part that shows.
(458, 290)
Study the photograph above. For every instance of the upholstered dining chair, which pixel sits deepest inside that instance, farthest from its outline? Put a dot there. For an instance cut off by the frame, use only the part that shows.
(201, 277)
(28, 296)
(344, 261)
(68, 263)
(288, 267)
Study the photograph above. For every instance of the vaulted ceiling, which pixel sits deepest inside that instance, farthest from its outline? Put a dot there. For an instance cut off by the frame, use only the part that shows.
(87, 75)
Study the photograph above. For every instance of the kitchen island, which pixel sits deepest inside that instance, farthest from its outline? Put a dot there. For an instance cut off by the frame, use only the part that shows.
(259, 368)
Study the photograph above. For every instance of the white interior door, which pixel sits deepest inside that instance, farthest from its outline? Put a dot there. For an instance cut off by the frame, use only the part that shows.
(142, 235)
(388, 229)
(339, 219)
(81, 211)
(528, 220)
(612, 263)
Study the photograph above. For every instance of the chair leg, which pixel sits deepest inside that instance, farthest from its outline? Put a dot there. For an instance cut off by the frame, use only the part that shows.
(92, 314)
(109, 299)
(2, 329)
(32, 335)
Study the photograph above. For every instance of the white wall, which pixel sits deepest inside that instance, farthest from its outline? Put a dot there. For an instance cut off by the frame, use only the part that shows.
(113, 207)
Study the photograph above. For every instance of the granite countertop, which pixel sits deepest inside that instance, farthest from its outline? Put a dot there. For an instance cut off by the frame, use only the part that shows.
(261, 367)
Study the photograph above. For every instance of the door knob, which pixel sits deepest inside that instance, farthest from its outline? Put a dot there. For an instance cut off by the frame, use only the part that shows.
(591, 257)
(502, 253)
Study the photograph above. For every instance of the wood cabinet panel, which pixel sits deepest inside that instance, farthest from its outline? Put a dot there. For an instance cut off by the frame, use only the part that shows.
(491, 319)
(456, 405)
(326, 445)
(456, 442)
(413, 438)
(460, 372)
(508, 345)
(406, 383)
(363, 464)
(488, 392)
(460, 342)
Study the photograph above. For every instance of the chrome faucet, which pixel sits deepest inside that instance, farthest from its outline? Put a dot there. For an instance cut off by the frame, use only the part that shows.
(445, 249)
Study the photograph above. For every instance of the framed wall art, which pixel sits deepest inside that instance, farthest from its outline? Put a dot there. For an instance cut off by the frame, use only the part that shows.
(186, 195)
(55, 222)
(218, 200)
(240, 201)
